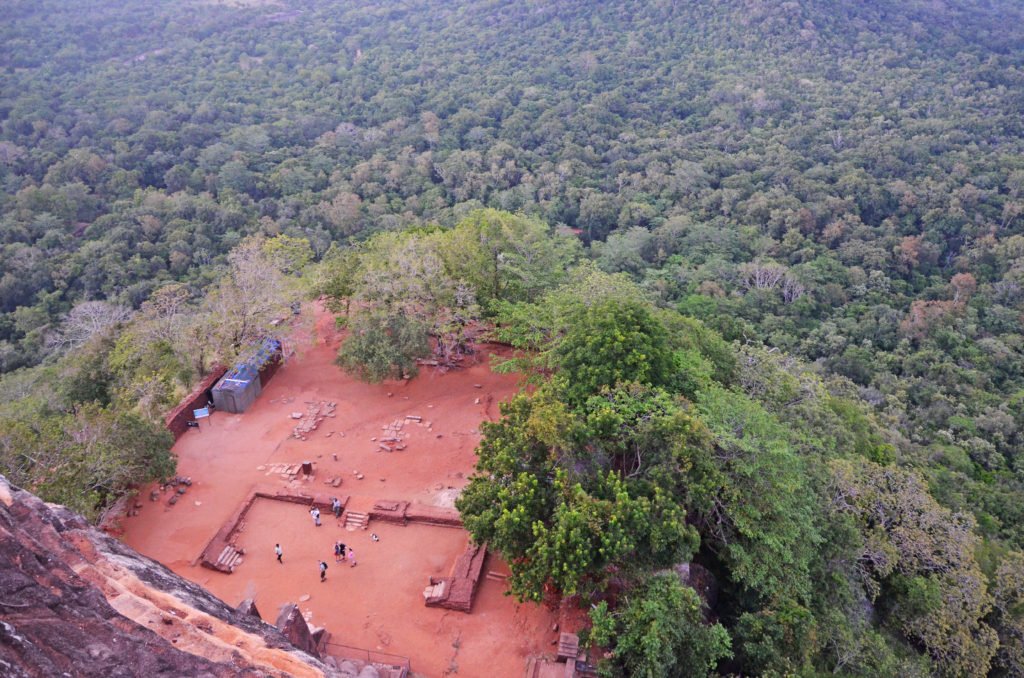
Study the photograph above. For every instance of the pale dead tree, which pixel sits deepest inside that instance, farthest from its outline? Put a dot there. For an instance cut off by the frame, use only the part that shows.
(164, 313)
(964, 285)
(407, 276)
(1011, 210)
(342, 212)
(762, 275)
(242, 307)
(85, 321)
(837, 139)
(1007, 291)
(149, 396)
(449, 324)
(431, 127)
(10, 153)
(1008, 597)
(792, 289)
(905, 529)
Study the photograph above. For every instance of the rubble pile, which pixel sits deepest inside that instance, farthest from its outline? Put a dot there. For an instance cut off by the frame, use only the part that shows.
(316, 412)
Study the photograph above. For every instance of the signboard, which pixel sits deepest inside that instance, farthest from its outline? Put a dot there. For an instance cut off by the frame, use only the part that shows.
(199, 414)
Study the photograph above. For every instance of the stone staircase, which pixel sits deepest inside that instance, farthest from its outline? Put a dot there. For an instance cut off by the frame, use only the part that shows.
(228, 559)
(568, 646)
(497, 576)
(354, 520)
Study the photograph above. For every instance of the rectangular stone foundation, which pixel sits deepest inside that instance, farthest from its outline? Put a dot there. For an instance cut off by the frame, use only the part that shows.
(211, 555)
(457, 591)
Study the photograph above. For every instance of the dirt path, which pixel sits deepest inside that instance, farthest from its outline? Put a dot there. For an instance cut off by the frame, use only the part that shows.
(377, 605)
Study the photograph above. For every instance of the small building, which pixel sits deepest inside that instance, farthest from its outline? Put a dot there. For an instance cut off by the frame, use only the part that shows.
(239, 388)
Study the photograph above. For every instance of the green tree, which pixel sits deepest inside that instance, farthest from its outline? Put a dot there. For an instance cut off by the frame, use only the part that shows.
(84, 460)
(609, 343)
(565, 526)
(918, 558)
(381, 346)
(592, 533)
(507, 257)
(755, 506)
(660, 632)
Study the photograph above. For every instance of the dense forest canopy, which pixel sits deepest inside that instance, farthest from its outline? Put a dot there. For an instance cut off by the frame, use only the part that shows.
(806, 217)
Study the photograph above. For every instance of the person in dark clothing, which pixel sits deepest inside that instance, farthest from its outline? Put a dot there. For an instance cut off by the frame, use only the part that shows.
(323, 571)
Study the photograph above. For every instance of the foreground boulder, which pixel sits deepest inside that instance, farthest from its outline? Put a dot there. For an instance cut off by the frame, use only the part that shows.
(76, 602)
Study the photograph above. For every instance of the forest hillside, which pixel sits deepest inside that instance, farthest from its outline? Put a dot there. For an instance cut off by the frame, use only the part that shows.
(763, 261)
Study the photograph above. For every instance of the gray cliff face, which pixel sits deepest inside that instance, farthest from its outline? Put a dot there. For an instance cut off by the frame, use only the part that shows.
(75, 602)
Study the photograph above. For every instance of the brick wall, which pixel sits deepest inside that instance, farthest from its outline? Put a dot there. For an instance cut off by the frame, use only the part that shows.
(177, 420)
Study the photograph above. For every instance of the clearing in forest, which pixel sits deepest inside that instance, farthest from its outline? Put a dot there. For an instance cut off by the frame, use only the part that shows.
(377, 605)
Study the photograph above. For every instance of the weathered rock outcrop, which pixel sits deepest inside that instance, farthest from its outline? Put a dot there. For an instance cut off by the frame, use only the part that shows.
(76, 602)
(293, 625)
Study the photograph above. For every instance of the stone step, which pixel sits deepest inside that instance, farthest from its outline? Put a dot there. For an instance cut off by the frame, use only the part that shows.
(224, 555)
(355, 520)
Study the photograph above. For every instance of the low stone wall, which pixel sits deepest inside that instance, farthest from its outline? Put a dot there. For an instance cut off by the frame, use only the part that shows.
(433, 515)
(404, 512)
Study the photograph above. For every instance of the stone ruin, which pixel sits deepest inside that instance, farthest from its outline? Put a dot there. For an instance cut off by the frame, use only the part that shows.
(393, 437)
(315, 641)
(404, 512)
(456, 592)
(316, 412)
(223, 555)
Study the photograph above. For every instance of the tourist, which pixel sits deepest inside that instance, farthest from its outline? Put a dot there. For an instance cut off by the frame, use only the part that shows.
(339, 553)
(336, 506)
(315, 512)
(323, 571)
(279, 552)
(352, 557)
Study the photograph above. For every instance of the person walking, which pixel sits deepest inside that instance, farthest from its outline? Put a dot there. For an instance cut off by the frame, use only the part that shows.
(279, 552)
(315, 513)
(323, 571)
(352, 557)
(336, 507)
(338, 554)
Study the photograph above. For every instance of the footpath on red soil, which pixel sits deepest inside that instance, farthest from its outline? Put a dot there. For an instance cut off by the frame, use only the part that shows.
(396, 454)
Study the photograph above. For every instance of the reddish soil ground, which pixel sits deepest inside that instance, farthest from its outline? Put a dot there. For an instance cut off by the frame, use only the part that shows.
(377, 605)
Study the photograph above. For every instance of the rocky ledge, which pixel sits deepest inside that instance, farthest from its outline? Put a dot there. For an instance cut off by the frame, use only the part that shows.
(76, 602)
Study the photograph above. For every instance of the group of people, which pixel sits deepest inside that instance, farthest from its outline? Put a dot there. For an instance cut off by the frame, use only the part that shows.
(341, 551)
(314, 512)
(341, 554)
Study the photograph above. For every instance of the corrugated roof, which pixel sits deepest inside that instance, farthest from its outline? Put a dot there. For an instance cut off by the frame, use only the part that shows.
(239, 376)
